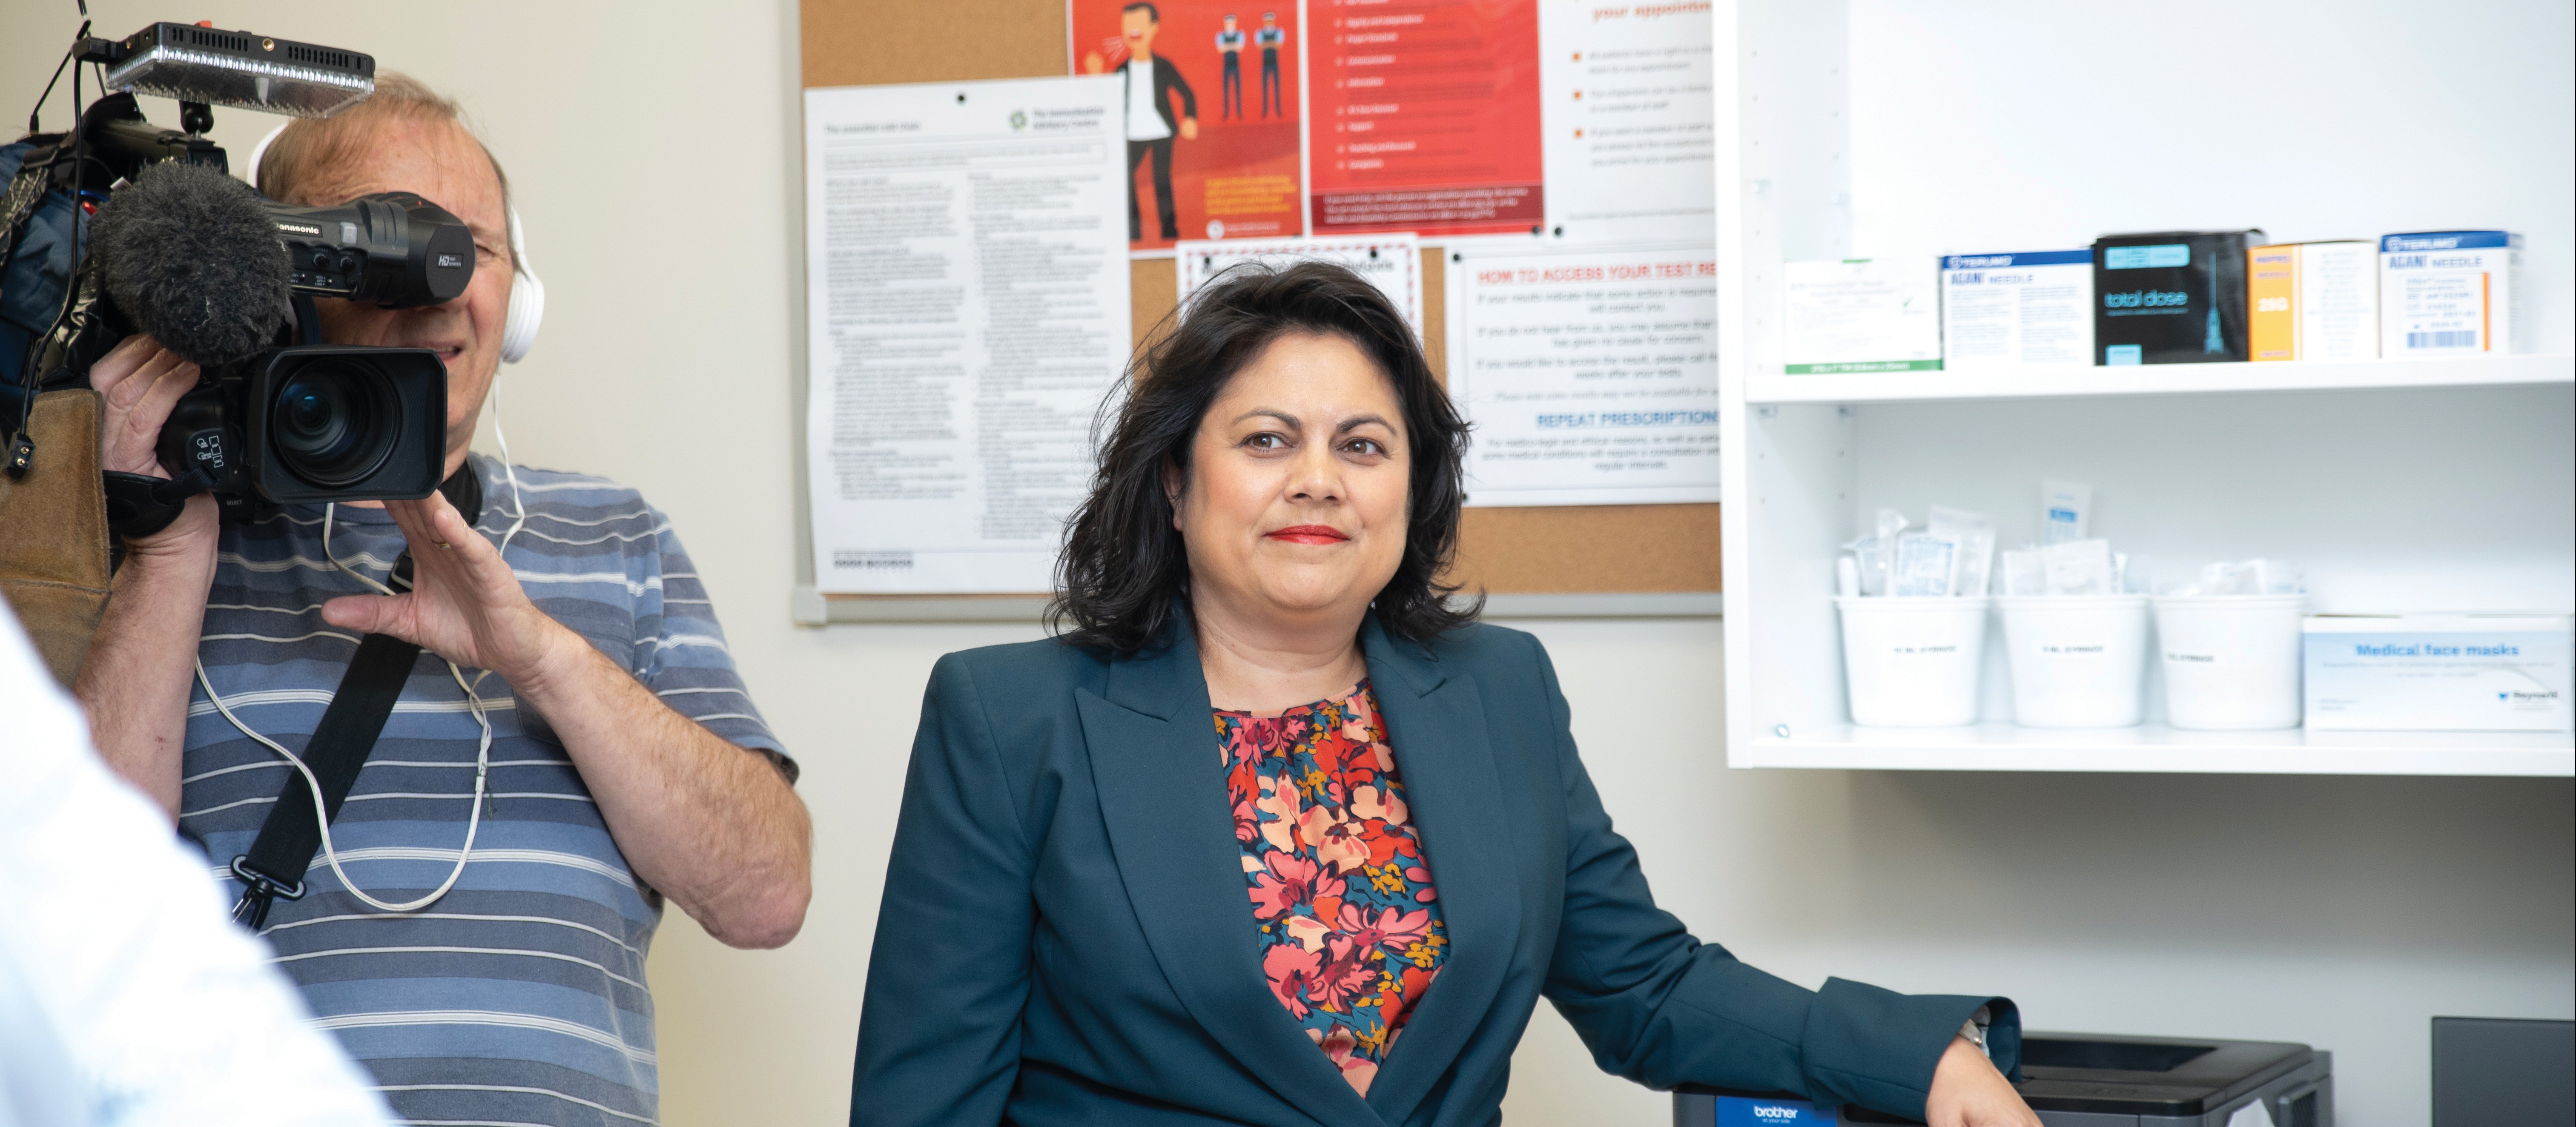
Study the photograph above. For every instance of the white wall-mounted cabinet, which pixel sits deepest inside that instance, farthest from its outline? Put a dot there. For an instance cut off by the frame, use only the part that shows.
(1877, 128)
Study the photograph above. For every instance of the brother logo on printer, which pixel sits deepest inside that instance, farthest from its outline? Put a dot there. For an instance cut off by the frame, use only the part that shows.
(1775, 1114)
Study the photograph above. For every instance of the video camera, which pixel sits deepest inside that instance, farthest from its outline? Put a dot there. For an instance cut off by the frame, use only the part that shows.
(225, 278)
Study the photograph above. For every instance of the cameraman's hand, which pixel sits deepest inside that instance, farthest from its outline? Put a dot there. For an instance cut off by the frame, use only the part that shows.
(141, 381)
(465, 603)
(1968, 1092)
(134, 681)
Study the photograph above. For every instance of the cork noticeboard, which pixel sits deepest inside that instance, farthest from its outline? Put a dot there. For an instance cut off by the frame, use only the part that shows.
(1621, 549)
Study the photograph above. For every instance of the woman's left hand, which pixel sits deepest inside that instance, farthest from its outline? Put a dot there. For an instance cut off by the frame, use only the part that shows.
(1968, 1092)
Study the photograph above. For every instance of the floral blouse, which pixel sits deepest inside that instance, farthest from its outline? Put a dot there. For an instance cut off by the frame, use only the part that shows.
(1350, 927)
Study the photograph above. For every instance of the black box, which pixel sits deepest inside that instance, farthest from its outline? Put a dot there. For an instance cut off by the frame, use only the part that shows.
(2171, 297)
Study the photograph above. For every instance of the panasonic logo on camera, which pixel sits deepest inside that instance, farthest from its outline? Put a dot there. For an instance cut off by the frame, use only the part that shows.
(299, 228)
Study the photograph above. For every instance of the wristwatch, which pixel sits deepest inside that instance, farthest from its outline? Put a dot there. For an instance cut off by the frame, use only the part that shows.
(1973, 1031)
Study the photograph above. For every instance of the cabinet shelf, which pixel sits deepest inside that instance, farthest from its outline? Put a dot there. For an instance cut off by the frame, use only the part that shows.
(2156, 748)
(2395, 484)
(2161, 379)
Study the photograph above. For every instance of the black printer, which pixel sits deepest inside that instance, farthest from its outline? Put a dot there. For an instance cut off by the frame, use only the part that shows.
(2099, 1080)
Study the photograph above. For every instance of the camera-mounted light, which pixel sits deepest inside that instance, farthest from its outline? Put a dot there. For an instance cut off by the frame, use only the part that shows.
(235, 68)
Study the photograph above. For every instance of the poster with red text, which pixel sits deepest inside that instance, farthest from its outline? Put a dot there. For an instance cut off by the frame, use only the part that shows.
(1210, 114)
(1426, 117)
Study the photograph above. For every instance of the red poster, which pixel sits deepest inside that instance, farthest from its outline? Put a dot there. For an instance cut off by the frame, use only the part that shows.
(1433, 108)
(1211, 112)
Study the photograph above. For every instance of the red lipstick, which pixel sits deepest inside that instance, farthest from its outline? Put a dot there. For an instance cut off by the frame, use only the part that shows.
(1309, 534)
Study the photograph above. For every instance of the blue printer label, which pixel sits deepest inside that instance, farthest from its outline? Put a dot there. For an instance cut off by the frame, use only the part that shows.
(2444, 240)
(2023, 258)
(2132, 258)
(1738, 1111)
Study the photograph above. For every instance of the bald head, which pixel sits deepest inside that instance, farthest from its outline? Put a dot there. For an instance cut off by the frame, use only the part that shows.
(311, 159)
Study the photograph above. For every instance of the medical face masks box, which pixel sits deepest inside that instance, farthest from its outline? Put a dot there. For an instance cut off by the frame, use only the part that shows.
(2449, 293)
(1862, 315)
(2003, 311)
(2438, 672)
(2312, 301)
(2176, 297)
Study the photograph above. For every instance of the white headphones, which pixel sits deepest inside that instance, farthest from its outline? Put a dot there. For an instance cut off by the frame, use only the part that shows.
(527, 294)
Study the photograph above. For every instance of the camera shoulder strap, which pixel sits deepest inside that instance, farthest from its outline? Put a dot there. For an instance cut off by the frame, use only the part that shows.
(274, 867)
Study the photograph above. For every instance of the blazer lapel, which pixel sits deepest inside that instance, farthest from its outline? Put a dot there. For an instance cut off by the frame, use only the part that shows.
(1156, 763)
(1436, 723)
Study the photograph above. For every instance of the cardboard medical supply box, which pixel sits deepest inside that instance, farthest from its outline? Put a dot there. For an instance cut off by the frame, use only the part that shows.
(2171, 297)
(1862, 315)
(2025, 309)
(2312, 301)
(2095, 1080)
(2449, 293)
(2438, 672)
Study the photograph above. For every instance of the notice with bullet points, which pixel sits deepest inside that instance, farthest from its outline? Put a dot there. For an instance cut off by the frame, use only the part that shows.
(1591, 377)
(1425, 116)
(1630, 121)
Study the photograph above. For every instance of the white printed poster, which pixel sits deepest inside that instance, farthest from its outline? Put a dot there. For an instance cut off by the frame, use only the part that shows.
(1392, 262)
(1631, 114)
(966, 290)
(1591, 377)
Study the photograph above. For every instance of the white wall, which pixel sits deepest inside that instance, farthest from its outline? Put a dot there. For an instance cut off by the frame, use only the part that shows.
(2005, 125)
(651, 145)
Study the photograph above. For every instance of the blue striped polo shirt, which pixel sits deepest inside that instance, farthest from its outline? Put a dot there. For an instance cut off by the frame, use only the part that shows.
(519, 997)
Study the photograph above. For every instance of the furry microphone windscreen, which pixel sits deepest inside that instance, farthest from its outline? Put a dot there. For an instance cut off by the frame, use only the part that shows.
(189, 255)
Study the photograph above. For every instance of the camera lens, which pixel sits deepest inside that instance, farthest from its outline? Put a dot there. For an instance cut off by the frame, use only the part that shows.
(332, 423)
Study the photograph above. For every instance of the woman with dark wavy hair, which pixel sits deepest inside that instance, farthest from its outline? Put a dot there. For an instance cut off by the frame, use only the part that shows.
(1346, 913)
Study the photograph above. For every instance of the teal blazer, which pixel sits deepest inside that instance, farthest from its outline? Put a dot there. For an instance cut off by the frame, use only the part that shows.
(1065, 936)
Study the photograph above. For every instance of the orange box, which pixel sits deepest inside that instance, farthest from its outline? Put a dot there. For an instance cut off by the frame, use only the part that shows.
(2312, 301)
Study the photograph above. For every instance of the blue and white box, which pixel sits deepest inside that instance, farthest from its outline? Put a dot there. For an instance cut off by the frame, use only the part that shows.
(2026, 309)
(2439, 672)
(2450, 293)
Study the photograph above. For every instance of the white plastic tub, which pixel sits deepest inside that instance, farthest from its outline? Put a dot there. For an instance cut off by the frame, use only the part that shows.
(1912, 663)
(2078, 661)
(2231, 661)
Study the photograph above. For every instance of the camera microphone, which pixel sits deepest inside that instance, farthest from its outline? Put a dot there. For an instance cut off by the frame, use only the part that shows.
(191, 257)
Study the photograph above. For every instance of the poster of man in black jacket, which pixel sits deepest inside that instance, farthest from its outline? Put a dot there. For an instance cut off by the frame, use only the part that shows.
(1151, 128)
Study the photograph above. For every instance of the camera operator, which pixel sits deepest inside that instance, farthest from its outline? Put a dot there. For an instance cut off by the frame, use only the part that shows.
(626, 762)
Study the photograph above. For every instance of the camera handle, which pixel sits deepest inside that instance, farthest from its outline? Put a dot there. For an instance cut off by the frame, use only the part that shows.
(139, 505)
